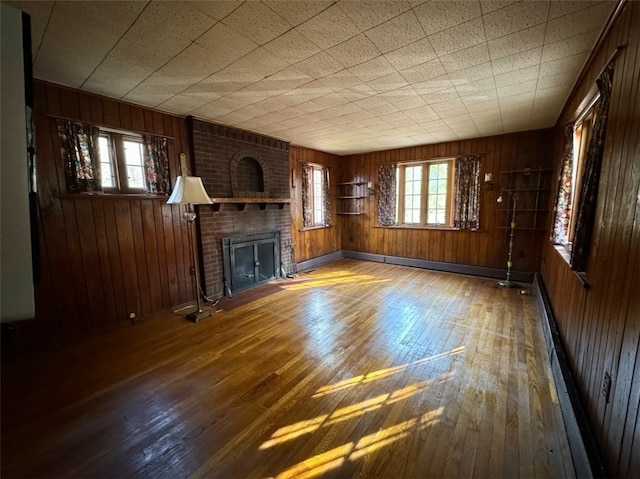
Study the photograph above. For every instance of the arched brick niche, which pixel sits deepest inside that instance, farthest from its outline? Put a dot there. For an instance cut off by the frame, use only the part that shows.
(249, 175)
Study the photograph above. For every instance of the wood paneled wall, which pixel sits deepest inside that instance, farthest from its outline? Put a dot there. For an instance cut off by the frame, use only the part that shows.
(102, 258)
(486, 247)
(600, 326)
(313, 243)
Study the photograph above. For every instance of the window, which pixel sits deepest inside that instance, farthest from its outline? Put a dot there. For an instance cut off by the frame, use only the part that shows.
(425, 193)
(315, 196)
(578, 138)
(122, 162)
(103, 160)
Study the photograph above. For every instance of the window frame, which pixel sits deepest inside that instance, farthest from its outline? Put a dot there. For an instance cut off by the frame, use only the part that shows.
(118, 161)
(585, 119)
(424, 193)
(319, 169)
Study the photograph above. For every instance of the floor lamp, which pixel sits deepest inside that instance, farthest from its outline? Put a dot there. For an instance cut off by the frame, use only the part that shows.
(507, 283)
(190, 191)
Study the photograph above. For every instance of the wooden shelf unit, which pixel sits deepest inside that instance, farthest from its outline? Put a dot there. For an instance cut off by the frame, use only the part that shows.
(351, 195)
(531, 186)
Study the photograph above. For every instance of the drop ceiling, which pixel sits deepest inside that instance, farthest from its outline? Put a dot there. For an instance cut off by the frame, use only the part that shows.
(342, 77)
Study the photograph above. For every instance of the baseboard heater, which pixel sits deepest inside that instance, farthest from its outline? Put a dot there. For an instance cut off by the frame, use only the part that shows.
(587, 460)
(521, 276)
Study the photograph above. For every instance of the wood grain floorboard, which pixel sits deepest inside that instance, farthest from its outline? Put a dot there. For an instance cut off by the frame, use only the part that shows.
(354, 370)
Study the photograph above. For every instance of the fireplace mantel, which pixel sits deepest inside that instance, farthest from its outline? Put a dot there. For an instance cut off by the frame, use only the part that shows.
(218, 203)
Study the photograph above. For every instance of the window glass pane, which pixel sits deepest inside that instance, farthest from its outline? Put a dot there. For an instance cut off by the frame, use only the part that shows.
(412, 193)
(106, 162)
(318, 209)
(437, 194)
(134, 160)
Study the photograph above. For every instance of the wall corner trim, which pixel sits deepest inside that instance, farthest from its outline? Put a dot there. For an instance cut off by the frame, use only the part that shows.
(587, 460)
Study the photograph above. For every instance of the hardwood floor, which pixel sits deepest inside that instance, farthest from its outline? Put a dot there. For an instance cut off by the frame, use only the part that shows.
(355, 370)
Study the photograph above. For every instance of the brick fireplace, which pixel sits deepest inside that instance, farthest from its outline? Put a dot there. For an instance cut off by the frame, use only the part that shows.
(237, 165)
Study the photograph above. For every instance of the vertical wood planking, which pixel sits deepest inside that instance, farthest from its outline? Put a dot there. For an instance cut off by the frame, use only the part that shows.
(600, 326)
(487, 247)
(94, 249)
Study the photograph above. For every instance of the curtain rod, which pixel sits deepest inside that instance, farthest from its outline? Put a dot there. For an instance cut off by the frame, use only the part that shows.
(123, 130)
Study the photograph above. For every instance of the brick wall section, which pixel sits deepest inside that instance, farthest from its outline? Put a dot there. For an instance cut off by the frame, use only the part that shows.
(215, 147)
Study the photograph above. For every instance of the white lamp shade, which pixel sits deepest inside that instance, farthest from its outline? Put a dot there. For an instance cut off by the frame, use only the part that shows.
(189, 189)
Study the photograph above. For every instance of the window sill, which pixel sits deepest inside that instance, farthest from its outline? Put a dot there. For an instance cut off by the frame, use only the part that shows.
(436, 228)
(112, 196)
(312, 228)
(565, 254)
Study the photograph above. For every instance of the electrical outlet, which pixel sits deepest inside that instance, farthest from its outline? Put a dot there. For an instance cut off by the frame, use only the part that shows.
(606, 387)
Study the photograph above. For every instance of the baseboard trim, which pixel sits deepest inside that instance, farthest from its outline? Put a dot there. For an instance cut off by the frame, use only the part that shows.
(520, 276)
(319, 261)
(586, 457)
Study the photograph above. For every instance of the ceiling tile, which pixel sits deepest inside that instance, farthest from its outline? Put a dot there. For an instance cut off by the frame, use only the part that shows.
(559, 9)
(423, 72)
(328, 28)
(236, 45)
(557, 80)
(257, 22)
(296, 12)
(366, 14)
(387, 83)
(319, 66)
(465, 58)
(488, 6)
(184, 103)
(447, 95)
(354, 51)
(396, 33)
(408, 103)
(411, 55)
(518, 76)
(468, 75)
(480, 103)
(516, 42)
(514, 18)
(453, 107)
(103, 25)
(281, 82)
(570, 46)
(516, 61)
(436, 16)
(149, 95)
(115, 77)
(341, 80)
(434, 84)
(576, 23)
(571, 63)
(421, 114)
(292, 47)
(372, 69)
(458, 38)
(469, 89)
(515, 89)
(218, 9)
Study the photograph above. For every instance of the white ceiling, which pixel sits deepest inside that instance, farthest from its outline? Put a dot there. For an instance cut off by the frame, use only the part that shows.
(342, 77)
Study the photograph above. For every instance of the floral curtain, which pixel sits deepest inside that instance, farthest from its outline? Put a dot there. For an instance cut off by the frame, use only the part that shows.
(307, 213)
(563, 200)
(466, 215)
(80, 152)
(156, 162)
(387, 195)
(326, 197)
(591, 176)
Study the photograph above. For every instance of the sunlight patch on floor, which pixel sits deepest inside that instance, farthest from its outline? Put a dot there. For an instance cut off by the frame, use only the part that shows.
(382, 373)
(335, 458)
